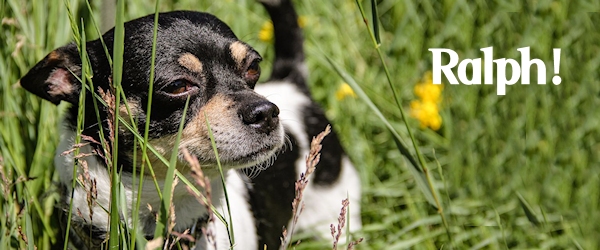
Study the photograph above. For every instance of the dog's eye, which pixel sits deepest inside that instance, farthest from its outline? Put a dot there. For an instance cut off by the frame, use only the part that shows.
(253, 72)
(178, 87)
(254, 68)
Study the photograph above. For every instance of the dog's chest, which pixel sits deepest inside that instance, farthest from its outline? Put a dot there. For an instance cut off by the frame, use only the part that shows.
(92, 195)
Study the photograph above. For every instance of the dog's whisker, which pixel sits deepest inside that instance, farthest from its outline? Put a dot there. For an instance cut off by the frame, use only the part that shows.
(92, 125)
(250, 172)
(289, 121)
(287, 144)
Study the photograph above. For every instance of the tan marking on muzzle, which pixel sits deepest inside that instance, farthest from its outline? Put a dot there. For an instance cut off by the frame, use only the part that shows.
(195, 136)
(190, 62)
(134, 107)
(219, 115)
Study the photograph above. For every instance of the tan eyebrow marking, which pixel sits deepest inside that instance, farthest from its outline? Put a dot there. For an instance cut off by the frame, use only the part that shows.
(190, 62)
(238, 52)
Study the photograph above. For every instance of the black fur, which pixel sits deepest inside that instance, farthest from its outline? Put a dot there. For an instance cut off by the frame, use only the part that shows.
(271, 197)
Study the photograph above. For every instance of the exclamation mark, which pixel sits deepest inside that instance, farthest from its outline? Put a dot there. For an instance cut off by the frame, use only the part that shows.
(556, 79)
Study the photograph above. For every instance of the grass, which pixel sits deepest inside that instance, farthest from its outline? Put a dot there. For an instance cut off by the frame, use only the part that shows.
(514, 171)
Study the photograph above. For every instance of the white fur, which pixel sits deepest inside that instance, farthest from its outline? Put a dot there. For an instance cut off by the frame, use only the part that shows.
(244, 228)
(322, 204)
(187, 208)
(64, 166)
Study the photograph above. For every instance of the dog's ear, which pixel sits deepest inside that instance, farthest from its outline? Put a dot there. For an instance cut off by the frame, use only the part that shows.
(54, 77)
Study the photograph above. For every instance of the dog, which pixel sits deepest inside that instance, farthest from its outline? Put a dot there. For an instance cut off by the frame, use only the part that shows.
(199, 61)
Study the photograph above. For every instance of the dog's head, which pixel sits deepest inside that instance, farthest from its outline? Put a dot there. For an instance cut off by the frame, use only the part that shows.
(197, 57)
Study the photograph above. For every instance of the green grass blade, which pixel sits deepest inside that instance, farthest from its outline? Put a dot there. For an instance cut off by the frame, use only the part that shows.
(165, 215)
(214, 146)
(29, 227)
(420, 179)
(108, 55)
(119, 37)
(148, 114)
(531, 215)
(375, 21)
(80, 115)
(73, 22)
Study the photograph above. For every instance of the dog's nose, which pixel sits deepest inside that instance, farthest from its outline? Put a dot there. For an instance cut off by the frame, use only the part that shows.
(262, 116)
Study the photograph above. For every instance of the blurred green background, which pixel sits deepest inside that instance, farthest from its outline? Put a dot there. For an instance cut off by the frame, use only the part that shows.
(539, 142)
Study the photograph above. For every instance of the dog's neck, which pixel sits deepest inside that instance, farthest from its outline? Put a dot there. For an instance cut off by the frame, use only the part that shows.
(92, 193)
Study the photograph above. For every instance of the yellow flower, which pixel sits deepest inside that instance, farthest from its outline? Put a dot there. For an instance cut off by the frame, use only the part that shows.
(266, 32)
(302, 20)
(428, 91)
(426, 109)
(344, 91)
(427, 113)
